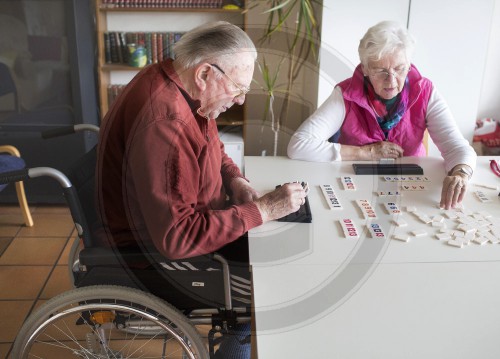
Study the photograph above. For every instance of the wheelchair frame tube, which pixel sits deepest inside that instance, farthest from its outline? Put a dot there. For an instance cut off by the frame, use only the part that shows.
(71, 198)
(226, 279)
(67, 130)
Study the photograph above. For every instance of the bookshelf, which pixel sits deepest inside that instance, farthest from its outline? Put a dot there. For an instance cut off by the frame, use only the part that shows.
(154, 17)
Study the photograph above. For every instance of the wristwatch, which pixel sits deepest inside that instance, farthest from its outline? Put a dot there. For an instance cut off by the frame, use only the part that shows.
(465, 170)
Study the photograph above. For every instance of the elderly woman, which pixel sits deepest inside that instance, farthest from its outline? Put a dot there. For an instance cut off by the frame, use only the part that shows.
(383, 110)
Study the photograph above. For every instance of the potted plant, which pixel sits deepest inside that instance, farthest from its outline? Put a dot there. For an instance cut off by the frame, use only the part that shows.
(290, 38)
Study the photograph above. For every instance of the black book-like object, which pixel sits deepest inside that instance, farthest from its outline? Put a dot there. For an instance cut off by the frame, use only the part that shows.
(387, 169)
(303, 215)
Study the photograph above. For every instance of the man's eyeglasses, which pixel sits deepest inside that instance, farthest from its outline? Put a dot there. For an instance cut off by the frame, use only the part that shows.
(399, 72)
(243, 90)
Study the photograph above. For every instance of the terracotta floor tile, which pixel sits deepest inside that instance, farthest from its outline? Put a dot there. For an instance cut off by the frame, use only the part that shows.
(33, 251)
(58, 282)
(52, 209)
(64, 256)
(13, 314)
(10, 224)
(39, 303)
(11, 209)
(49, 225)
(4, 349)
(4, 243)
(21, 282)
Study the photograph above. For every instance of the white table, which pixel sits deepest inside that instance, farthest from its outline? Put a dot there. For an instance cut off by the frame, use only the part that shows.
(318, 294)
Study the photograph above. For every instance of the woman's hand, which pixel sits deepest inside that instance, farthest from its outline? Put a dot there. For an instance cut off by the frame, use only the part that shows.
(372, 152)
(383, 149)
(453, 192)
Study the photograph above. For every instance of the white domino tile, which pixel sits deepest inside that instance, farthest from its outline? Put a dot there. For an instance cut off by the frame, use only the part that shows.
(482, 197)
(348, 183)
(392, 208)
(480, 240)
(388, 193)
(400, 222)
(349, 228)
(413, 187)
(419, 232)
(401, 237)
(366, 208)
(438, 218)
(456, 243)
(425, 219)
(438, 224)
(443, 236)
(450, 214)
(466, 228)
(485, 214)
(406, 179)
(330, 197)
(376, 231)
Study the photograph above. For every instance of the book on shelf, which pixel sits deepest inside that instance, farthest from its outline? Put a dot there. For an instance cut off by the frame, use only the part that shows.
(123, 47)
(113, 48)
(147, 44)
(107, 49)
(154, 48)
(200, 4)
(158, 45)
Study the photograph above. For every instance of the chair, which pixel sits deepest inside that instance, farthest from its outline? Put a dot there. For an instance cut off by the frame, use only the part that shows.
(129, 310)
(10, 162)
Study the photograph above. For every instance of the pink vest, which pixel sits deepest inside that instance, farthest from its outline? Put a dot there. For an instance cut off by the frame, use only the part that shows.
(360, 126)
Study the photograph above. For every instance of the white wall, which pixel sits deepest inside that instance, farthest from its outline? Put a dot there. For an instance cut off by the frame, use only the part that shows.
(453, 44)
(343, 25)
(489, 103)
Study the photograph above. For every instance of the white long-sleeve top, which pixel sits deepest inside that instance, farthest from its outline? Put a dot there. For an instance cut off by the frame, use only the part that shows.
(310, 141)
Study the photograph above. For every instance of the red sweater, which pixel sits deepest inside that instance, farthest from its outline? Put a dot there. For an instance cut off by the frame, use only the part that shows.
(162, 172)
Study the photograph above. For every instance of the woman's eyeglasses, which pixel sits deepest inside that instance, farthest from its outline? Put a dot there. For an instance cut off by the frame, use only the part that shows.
(398, 72)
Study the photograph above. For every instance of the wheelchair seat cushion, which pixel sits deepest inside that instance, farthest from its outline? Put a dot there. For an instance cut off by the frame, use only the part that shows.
(10, 163)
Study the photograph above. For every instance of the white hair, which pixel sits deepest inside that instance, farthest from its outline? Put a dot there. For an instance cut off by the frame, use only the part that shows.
(384, 38)
(214, 41)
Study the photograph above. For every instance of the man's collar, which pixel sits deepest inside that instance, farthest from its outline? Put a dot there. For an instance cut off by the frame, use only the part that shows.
(167, 67)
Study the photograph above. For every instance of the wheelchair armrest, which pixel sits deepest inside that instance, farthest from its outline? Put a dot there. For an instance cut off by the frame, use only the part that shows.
(99, 256)
(102, 256)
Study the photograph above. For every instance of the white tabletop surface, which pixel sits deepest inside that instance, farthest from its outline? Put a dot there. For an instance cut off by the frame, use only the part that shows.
(319, 294)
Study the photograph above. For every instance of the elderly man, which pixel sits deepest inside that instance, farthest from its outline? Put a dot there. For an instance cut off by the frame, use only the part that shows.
(163, 177)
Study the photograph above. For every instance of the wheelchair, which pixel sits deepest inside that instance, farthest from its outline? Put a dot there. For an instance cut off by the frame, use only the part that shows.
(121, 308)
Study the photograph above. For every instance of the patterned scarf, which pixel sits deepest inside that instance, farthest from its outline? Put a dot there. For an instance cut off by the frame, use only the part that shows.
(388, 112)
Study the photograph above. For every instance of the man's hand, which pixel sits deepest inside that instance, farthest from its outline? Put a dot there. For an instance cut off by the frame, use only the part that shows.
(282, 201)
(453, 192)
(242, 192)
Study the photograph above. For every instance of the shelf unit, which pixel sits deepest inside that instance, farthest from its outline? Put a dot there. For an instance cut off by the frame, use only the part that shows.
(154, 19)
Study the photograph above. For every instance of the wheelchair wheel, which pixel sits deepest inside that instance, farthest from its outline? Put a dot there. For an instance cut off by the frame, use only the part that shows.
(89, 322)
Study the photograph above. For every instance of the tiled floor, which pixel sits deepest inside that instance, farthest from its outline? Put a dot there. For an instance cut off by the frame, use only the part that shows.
(33, 264)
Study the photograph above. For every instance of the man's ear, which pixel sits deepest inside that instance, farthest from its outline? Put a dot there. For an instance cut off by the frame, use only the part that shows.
(201, 74)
